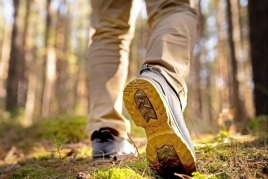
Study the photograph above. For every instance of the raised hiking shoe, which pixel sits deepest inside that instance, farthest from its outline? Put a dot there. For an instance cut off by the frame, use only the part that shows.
(153, 105)
(108, 146)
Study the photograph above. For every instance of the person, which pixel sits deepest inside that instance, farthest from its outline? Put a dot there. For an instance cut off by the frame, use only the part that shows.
(156, 99)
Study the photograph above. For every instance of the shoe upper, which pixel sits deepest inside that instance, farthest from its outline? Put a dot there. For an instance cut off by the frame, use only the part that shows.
(176, 120)
(106, 144)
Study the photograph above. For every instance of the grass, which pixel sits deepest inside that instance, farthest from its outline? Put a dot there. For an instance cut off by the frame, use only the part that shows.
(58, 148)
(228, 157)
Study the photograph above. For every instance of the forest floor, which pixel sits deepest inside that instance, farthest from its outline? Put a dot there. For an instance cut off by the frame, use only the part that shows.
(58, 148)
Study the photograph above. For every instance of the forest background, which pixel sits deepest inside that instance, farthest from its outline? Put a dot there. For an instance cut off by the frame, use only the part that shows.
(44, 46)
(44, 49)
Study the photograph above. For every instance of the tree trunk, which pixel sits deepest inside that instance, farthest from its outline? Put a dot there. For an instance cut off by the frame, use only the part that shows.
(2, 37)
(258, 23)
(235, 7)
(5, 58)
(63, 30)
(197, 65)
(49, 65)
(22, 90)
(32, 69)
(13, 71)
(50, 79)
(222, 60)
(30, 100)
(240, 112)
(44, 65)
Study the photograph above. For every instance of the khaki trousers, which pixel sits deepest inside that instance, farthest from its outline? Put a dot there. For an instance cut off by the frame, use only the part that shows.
(173, 29)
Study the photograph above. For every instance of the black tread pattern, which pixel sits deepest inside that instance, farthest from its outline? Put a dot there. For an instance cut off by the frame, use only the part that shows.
(169, 161)
(144, 106)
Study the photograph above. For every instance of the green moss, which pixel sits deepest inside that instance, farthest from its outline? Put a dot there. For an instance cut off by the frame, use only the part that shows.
(197, 175)
(32, 171)
(223, 155)
(223, 134)
(84, 152)
(220, 157)
(259, 125)
(214, 166)
(117, 173)
(72, 129)
(6, 127)
(222, 175)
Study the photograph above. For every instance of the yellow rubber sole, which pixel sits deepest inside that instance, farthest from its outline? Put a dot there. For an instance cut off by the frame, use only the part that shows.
(165, 151)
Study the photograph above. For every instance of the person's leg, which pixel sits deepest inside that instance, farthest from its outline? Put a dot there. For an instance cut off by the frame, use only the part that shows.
(108, 64)
(155, 100)
(173, 26)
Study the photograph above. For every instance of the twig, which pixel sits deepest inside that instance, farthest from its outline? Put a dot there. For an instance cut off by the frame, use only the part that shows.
(103, 155)
(182, 176)
(10, 153)
(143, 173)
(134, 145)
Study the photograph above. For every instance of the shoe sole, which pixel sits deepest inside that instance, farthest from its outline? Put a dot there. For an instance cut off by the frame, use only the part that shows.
(166, 152)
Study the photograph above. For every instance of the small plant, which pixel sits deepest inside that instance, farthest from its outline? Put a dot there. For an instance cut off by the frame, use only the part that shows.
(224, 134)
(57, 144)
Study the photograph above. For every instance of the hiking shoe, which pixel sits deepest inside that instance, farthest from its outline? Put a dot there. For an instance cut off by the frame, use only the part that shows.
(107, 146)
(153, 105)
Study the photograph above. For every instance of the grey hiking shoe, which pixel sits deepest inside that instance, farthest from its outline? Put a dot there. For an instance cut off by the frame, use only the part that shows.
(108, 146)
(153, 105)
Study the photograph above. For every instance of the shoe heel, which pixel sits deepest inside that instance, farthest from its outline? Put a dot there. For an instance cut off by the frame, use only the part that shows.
(165, 150)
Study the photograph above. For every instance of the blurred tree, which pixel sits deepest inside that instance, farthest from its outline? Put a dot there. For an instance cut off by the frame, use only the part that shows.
(80, 90)
(223, 78)
(50, 62)
(196, 62)
(2, 27)
(62, 45)
(22, 83)
(47, 44)
(54, 48)
(31, 65)
(258, 23)
(13, 69)
(4, 61)
(241, 116)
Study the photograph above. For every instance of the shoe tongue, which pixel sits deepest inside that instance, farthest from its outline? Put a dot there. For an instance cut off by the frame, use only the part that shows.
(104, 134)
(112, 131)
